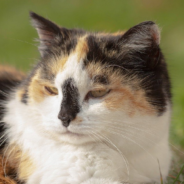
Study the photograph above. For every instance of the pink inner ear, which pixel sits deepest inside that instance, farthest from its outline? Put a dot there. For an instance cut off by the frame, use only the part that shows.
(156, 34)
(44, 34)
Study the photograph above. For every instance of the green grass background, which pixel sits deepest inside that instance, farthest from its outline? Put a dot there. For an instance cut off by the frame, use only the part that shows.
(17, 46)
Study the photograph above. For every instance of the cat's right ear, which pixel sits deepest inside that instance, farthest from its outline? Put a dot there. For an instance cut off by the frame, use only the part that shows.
(141, 44)
(49, 33)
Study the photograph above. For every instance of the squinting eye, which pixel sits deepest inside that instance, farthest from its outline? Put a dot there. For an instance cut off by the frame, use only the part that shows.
(51, 90)
(98, 93)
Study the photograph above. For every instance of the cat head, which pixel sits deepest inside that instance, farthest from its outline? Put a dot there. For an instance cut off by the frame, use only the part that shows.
(86, 83)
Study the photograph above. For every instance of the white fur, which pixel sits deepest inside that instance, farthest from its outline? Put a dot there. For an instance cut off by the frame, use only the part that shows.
(89, 152)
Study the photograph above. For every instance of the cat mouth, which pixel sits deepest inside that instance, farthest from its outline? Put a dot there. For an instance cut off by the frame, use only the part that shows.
(69, 133)
(75, 138)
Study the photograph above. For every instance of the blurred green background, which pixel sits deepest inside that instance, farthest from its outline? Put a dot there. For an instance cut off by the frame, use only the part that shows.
(17, 46)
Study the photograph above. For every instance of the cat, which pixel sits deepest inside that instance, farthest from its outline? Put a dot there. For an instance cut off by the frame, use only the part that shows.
(96, 109)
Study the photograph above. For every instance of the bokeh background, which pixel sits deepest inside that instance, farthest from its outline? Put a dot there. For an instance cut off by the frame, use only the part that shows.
(17, 46)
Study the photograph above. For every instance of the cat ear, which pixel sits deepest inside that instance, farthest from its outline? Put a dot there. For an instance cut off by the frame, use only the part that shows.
(143, 41)
(49, 33)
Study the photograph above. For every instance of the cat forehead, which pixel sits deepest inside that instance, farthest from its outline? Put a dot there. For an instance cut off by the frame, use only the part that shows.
(72, 69)
(87, 59)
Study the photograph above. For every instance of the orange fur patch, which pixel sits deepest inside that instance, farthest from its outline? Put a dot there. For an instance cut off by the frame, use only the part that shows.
(10, 73)
(77, 120)
(18, 161)
(82, 48)
(113, 34)
(95, 69)
(128, 100)
(26, 167)
(20, 93)
(126, 95)
(36, 91)
(5, 179)
(36, 88)
(118, 33)
(57, 66)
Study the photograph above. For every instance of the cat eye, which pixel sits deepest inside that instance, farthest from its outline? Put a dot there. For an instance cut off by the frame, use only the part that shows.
(51, 90)
(98, 93)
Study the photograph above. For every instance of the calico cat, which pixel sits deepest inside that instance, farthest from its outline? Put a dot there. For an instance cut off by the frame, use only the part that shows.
(95, 110)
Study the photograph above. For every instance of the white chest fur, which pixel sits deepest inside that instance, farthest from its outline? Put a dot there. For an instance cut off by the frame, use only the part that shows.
(73, 165)
(94, 163)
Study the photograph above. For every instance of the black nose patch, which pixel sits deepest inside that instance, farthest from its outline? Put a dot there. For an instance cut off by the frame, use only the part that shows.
(70, 103)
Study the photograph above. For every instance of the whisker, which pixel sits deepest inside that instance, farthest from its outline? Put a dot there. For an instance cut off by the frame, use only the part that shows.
(4, 166)
(111, 143)
(145, 131)
(116, 66)
(129, 139)
(3, 141)
(3, 93)
(93, 137)
(176, 148)
(134, 143)
(94, 134)
(4, 153)
(122, 128)
(117, 149)
(123, 123)
(2, 136)
(130, 132)
(23, 42)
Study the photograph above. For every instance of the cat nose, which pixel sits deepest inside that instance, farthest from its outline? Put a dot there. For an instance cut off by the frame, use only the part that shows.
(65, 117)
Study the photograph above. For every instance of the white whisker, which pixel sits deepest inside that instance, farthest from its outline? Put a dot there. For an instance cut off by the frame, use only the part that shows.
(7, 157)
(2, 136)
(3, 141)
(3, 93)
(113, 132)
(117, 149)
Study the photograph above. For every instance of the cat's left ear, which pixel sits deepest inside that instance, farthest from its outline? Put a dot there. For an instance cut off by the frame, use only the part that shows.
(49, 33)
(142, 42)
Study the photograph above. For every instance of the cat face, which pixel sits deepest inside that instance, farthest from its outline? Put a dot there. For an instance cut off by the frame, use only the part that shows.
(87, 83)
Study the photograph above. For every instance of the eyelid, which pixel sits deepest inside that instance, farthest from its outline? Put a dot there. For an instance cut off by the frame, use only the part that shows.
(51, 90)
(98, 88)
(90, 95)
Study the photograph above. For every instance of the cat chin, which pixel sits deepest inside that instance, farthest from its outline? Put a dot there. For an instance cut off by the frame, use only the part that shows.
(75, 139)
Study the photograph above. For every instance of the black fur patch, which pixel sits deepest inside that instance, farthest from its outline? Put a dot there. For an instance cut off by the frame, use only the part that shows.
(144, 60)
(54, 40)
(25, 83)
(69, 105)
(25, 97)
(6, 86)
(101, 79)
